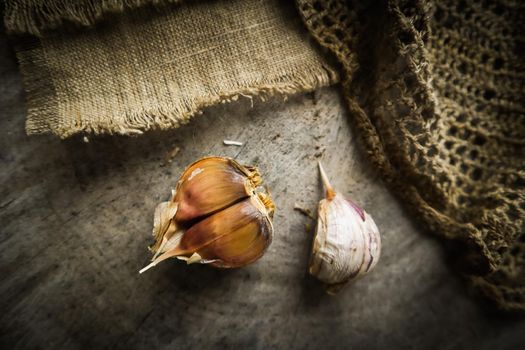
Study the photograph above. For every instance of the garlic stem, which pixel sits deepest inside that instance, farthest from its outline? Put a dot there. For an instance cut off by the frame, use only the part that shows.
(147, 267)
(330, 193)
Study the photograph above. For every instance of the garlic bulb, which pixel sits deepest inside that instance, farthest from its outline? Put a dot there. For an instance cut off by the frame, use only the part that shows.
(215, 216)
(347, 242)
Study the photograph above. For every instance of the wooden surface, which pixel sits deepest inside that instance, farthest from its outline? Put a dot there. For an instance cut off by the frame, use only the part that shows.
(76, 217)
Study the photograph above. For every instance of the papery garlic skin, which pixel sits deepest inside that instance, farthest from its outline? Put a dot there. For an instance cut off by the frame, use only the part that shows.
(347, 243)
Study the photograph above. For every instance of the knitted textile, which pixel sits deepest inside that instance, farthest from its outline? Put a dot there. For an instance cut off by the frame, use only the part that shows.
(437, 93)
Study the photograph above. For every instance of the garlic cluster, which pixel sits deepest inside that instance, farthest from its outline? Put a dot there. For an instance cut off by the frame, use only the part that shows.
(216, 216)
(347, 242)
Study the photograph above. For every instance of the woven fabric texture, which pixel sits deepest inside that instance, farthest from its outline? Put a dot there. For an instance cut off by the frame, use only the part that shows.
(149, 69)
(437, 92)
(39, 17)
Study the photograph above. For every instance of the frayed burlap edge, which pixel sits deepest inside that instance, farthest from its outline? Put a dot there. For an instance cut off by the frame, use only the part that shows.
(43, 116)
(38, 17)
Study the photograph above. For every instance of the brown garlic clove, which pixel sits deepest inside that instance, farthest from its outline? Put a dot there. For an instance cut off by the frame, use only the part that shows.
(233, 237)
(229, 227)
(211, 184)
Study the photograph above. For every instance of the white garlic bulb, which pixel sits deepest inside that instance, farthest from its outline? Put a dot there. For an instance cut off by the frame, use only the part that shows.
(347, 242)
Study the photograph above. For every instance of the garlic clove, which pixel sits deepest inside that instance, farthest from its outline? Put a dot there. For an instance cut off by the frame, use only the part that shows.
(233, 237)
(211, 184)
(347, 243)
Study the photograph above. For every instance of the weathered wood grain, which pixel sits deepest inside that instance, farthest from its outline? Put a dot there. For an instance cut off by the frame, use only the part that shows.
(76, 217)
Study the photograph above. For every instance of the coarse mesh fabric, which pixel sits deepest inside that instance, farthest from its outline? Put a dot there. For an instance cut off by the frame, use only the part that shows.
(436, 90)
(155, 68)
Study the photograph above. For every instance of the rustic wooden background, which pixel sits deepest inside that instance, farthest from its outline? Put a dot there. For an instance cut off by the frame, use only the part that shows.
(76, 217)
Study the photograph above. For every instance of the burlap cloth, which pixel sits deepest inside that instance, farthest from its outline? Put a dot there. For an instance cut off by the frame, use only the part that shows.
(435, 90)
(155, 67)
